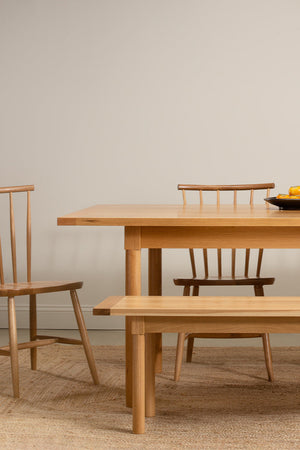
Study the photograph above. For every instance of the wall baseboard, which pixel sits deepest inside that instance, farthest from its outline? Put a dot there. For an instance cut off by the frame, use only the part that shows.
(57, 317)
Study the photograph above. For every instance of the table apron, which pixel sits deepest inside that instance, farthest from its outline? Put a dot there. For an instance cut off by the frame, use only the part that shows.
(227, 324)
(213, 237)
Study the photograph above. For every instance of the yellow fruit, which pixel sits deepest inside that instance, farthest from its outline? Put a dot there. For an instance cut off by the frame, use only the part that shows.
(294, 190)
(283, 196)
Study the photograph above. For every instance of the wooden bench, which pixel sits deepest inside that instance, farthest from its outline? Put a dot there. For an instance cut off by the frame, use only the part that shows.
(159, 314)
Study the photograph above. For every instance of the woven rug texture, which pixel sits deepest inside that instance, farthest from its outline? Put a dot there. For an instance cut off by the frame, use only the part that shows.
(222, 401)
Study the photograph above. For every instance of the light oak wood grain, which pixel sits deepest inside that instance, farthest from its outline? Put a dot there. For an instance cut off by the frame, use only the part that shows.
(8, 189)
(224, 237)
(180, 215)
(37, 287)
(204, 306)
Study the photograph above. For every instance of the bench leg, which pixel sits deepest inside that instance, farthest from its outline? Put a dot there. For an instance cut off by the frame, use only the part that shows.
(155, 288)
(150, 374)
(138, 383)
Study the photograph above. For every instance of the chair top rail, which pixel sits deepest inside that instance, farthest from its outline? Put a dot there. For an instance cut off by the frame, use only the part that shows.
(224, 187)
(8, 189)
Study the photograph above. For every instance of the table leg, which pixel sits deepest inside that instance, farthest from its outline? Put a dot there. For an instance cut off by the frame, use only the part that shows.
(138, 378)
(155, 288)
(150, 374)
(133, 287)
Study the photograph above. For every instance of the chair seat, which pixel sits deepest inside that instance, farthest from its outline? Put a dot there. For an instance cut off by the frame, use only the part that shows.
(237, 281)
(37, 287)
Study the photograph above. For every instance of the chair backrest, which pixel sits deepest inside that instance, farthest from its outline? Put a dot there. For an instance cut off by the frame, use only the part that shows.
(234, 189)
(10, 191)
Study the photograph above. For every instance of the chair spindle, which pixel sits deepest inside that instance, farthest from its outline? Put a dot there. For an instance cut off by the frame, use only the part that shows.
(13, 238)
(235, 198)
(201, 198)
(184, 197)
(233, 255)
(233, 250)
(251, 197)
(1, 266)
(247, 258)
(28, 242)
(259, 261)
(219, 263)
(268, 195)
(193, 264)
(205, 260)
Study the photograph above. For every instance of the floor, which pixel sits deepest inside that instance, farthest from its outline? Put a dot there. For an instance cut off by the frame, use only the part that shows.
(116, 337)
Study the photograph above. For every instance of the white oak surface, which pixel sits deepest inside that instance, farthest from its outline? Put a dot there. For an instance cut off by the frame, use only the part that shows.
(178, 215)
(199, 306)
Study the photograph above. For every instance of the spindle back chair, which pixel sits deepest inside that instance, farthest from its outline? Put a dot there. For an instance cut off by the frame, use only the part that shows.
(220, 280)
(14, 289)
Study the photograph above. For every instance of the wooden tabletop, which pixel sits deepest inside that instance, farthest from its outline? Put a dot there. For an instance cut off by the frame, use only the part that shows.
(178, 215)
(199, 306)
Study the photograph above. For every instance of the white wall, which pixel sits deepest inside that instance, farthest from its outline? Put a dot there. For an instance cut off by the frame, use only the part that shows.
(113, 101)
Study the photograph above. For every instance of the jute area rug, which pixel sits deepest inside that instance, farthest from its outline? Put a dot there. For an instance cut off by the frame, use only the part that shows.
(222, 401)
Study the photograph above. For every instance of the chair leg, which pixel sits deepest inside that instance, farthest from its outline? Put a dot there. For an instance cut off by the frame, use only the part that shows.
(84, 336)
(33, 351)
(180, 343)
(268, 356)
(190, 348)
(13, 346)
(179, 355)
(195, 291)
(186, 292)
(259, 291)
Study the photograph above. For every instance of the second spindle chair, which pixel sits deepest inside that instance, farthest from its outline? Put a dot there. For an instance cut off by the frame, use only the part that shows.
(206, 279)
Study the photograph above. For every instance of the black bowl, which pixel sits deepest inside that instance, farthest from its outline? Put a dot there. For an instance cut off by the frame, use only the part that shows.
(284, 203)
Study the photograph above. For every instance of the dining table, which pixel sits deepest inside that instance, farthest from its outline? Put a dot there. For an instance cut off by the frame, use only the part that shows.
(172, 226)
